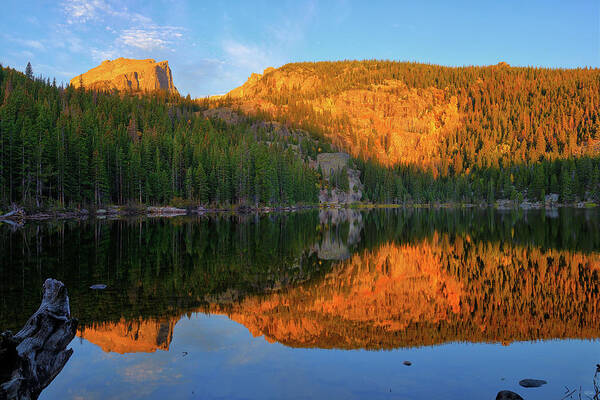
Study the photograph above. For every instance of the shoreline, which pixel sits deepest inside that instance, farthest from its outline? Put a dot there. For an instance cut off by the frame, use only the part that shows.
(18, 215)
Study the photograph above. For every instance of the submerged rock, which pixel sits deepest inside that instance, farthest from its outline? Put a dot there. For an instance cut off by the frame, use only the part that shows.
(98, 286)
(532, 383)
(508, 395)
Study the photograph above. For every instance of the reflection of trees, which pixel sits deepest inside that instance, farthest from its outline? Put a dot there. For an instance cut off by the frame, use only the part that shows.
(412, 277)
(572, 230)
(153, 268)
(441, 289)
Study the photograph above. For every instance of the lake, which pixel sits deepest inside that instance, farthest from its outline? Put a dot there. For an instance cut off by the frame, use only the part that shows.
(318, 304)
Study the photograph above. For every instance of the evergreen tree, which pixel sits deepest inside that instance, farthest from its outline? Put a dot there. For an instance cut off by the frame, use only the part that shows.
(566, 194)
(29, 71)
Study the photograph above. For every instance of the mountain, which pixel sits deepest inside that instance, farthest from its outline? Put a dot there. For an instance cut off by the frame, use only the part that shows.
(126, 74)
(417, 134)
(445, 120)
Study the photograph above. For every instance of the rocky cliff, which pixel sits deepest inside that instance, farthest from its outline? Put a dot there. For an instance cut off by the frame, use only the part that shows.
(388, 121)
(329, 164)
(126, 74)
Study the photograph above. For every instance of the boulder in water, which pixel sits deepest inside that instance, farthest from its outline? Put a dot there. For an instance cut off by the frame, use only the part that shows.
(532, 383)
(98, 286)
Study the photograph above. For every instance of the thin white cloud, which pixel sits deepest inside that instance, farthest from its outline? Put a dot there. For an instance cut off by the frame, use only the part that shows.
(54, 71)
(74, 44)
(132, 31)
(150, 38)
(83, 11)
(27, 54)
(291, 30)
(33, 44)
(101, 55)
(282, 37)
(252, 57)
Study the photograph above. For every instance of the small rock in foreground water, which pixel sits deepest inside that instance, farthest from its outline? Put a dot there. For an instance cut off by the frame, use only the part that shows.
(508, 395)
(407, 363)
(99, 286)
(532, 383)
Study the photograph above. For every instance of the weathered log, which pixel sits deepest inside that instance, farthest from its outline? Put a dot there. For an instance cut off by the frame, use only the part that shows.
(13, 224)
(14, 218)
(16, 213)
(32, 358)
(10, 214)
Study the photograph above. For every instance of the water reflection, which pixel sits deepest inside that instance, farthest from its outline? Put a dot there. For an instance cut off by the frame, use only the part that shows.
(343, 279)
(443, 289)
(131, 336)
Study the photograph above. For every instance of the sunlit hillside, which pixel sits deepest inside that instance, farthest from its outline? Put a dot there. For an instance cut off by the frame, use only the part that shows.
(449, 120)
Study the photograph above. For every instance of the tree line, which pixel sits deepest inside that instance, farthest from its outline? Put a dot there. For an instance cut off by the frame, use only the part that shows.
(67, 147)
(572, 179)
(61, 146)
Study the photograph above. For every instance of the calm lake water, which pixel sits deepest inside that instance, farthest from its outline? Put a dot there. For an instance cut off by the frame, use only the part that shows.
(318, 304)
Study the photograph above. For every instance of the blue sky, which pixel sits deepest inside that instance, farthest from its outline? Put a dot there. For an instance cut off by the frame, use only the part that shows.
(213, 46)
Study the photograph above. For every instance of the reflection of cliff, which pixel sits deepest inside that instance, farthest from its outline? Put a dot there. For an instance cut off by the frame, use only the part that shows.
(432, 292)
(133, 336)
(445, 288)
(342, 229)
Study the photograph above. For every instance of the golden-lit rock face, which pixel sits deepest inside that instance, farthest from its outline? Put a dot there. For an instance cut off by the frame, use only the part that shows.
(131, 336)
(389, 122)
(433, 292)
(126, 74)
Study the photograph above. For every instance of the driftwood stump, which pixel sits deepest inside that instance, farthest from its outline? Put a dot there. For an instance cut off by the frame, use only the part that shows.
(14, 218)
(32, 358)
